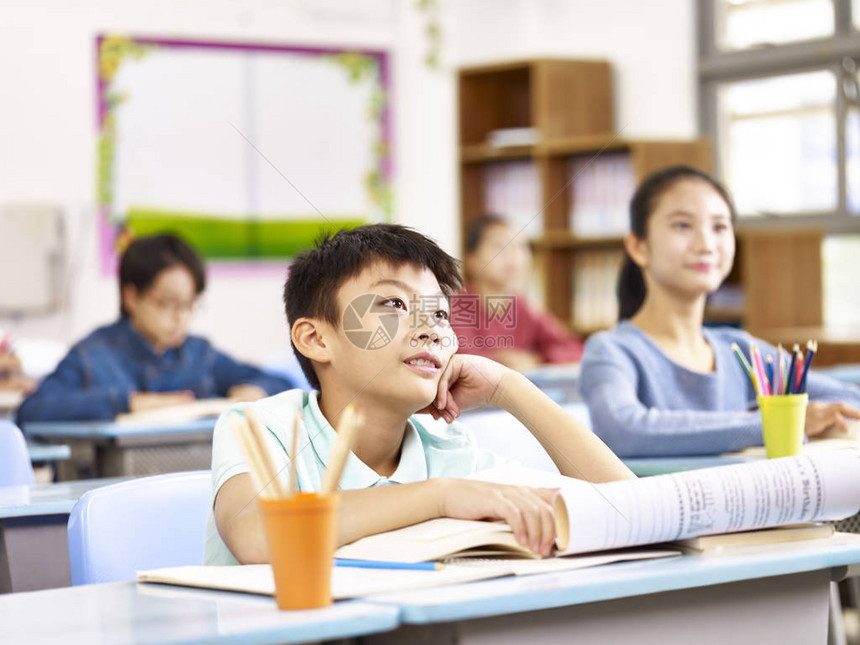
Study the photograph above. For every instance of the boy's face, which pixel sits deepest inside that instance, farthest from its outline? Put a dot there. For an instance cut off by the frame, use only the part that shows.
(394, 338)
(162, 312)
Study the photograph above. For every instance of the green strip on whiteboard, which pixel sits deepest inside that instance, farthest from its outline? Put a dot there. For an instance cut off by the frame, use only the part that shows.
(223, 237)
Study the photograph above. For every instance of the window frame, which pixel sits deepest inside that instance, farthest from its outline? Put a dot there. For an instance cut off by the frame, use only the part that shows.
(717, 67)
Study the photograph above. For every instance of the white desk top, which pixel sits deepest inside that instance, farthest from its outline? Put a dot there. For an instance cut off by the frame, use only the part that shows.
(113, 430)
(129, 613)
(47, 499)
(620, 580)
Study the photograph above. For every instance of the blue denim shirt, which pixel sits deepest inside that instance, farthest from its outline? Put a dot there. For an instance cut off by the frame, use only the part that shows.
(97, 376)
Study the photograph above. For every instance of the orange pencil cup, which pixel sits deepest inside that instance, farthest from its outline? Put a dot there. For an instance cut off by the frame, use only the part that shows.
(300, 531)
(783, 417)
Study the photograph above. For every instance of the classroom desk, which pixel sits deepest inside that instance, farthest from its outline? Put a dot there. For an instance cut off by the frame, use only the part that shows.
(648, 466)
(780, 595)
(34, 551)
(126, 612)
(558, 382)
(40, 452)
(123, 449)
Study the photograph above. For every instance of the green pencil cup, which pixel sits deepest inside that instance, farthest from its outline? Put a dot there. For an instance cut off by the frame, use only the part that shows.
(783, 417)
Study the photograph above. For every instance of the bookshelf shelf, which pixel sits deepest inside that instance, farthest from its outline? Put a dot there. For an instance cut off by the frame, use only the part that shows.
(565, 240)
(566, 107)
(483, 153)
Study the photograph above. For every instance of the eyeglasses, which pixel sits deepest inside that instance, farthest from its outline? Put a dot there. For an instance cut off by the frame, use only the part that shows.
(173, 306)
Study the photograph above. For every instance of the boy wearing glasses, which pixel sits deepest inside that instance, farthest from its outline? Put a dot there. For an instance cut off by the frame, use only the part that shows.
(146, 359)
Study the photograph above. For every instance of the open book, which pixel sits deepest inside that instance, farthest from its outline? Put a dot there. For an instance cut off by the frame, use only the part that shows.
(348, 582)
(665, 508)
(198, 409)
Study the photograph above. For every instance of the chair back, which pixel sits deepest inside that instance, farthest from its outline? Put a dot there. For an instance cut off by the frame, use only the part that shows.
(15, 466)
(145, 523)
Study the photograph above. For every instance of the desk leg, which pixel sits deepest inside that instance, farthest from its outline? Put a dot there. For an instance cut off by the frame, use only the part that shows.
(34, 553)
(785, 609)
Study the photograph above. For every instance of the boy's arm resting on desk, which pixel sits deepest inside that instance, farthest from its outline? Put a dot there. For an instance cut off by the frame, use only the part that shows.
(363, 512)
(230, 374)
(66, 396)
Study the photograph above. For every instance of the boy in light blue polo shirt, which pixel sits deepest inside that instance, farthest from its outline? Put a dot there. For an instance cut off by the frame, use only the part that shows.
(369, 320)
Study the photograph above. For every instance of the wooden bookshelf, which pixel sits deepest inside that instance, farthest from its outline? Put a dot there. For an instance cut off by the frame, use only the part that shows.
(570, 106)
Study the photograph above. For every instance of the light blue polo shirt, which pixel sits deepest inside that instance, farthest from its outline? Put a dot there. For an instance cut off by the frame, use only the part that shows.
(430, 449)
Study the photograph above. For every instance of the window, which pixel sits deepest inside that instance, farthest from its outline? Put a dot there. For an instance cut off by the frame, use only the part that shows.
(779, 97)
(744, 24)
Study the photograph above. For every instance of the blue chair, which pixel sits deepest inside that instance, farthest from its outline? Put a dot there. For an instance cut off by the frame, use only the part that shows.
(144, 523)
(15, 466)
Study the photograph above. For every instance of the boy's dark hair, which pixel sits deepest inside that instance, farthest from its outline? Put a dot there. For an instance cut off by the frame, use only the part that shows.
(631, 283)
(316, 275)
(146, 257)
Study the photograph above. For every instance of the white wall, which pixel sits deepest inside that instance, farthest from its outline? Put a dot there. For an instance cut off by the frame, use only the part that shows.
(48, 115)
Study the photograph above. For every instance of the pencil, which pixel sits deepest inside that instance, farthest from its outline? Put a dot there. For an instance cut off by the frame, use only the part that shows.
(789, 381)
(811, 348)
(742, 359)
(347, 432)
(760, 373)
(770, 369)
(294, 448)
(270, 474)
(779, 382)
(255, 469)
(798, 370)
(377, 564)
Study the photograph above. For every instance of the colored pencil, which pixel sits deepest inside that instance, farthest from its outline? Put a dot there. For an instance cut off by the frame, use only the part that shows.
(377, 564)
(789, 381)
(811, 348)
(770, 370)
(760, 373)
(779, 381)
(742, 359)
(798, 370)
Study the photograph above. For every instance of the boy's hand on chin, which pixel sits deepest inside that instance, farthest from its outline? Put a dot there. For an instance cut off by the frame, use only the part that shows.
(467, 382)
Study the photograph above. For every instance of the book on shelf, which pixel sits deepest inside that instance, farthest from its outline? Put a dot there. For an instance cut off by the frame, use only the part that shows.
(512, 191)
(513, 137)
(595, 276)
(602, 187)
(200, 409)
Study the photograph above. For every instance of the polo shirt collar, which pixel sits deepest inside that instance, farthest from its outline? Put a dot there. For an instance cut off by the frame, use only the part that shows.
(356, 474)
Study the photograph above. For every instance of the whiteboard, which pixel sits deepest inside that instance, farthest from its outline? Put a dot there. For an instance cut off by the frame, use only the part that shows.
(246, 150)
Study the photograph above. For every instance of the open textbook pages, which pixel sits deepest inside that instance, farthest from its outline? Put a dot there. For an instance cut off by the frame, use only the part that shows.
(200, 409)
(726, 499)
(665, 508)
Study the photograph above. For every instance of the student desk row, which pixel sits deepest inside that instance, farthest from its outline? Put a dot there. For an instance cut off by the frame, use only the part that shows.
(34, 551)
(780, 596)
(124, 449)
